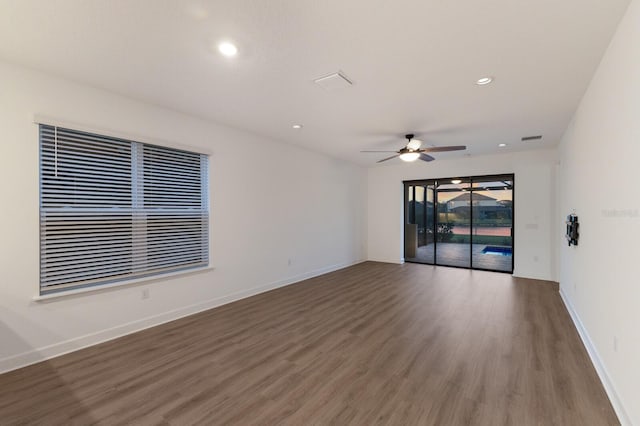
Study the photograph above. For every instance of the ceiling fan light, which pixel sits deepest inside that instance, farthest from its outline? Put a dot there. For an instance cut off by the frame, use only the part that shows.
(409, 156)
(414, 144)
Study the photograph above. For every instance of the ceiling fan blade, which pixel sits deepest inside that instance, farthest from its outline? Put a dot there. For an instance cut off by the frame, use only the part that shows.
(426, 157)
(388, 158)
(444, 148)
(378, 151)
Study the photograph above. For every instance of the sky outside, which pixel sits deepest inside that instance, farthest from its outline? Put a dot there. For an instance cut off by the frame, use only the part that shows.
(499, 195)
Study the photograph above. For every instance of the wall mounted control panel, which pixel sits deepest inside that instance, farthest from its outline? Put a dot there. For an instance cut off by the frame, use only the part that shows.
(572, 230)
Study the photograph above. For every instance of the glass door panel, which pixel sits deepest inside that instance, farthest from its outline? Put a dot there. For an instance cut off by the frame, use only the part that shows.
(453, 230)
(419, 224)
(492, 224)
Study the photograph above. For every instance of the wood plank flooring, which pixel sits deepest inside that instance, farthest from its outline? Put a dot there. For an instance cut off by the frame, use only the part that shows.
(371, 344)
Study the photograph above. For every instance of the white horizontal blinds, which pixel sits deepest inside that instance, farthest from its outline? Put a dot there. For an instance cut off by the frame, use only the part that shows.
(85, 208)
(176, 213)
(83, 170)
(108, 213)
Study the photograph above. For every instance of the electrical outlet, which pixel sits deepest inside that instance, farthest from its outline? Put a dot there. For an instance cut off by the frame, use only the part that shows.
(615, 343)
(289, 262)
(145, 293)
(536, 258)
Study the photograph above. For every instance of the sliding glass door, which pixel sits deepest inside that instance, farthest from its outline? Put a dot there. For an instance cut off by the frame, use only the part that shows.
(461, 222)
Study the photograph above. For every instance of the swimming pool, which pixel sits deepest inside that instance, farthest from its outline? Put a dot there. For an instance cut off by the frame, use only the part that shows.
(496, 250)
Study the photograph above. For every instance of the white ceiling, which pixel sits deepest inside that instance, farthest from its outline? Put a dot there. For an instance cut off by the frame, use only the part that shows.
(414, 64)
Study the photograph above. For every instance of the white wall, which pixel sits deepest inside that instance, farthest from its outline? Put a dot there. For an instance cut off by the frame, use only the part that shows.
(270, 202)
(534, 201)
(598, 180)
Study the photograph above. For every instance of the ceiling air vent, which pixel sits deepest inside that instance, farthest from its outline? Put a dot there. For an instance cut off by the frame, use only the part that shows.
(334, 81)
(531, 138)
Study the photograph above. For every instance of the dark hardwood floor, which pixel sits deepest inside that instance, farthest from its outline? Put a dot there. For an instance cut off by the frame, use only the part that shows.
(371, 344)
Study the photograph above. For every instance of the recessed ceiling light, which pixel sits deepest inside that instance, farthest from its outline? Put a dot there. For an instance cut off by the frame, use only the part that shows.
(502, 145)
(484, 81)
(228, 49)
(456, 181)
(297, 126)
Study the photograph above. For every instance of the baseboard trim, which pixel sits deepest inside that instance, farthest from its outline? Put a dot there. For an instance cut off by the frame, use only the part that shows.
(597, 362)
(34, 356)
(399, 261)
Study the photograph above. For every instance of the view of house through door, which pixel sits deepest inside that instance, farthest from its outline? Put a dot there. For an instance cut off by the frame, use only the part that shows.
(463, 222)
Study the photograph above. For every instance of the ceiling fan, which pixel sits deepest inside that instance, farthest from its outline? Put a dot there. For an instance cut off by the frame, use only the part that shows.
(413, 152)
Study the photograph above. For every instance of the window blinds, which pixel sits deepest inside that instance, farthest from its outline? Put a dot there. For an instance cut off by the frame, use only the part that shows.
(114, 210)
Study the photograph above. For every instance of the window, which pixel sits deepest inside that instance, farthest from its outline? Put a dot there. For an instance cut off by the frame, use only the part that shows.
(113, 210)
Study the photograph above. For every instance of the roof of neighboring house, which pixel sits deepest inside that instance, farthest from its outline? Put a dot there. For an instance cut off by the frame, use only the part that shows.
(476, 197)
